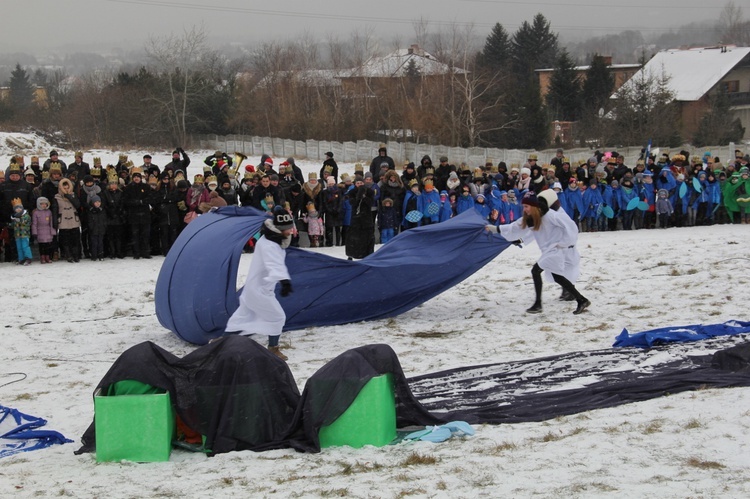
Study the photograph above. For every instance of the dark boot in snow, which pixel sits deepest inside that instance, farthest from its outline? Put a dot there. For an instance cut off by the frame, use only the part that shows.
(582, 305)
(536, 308)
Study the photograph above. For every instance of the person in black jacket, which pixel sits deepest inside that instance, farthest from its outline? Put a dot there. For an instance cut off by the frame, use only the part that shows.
(137, 198)
(332, 170)
(177, 163)
(115, 210)
(375, 164)
(165, 200)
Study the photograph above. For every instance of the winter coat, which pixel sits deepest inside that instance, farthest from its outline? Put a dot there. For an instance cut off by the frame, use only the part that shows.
(97, 221)
(387, 217)
(137, 198)
(482, 208)
(360, 240)
(113, 206)
(411, 203)
(429, 205)
(42, 226)
(196, 195)
(332, 200)
(21, 223)
(464, 203)
(65, 207)
(10, 190)
(165, 205)
(376, 162)
(592, 200)
(314, 223)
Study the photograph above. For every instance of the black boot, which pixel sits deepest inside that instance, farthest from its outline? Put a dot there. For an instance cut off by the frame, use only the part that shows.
(583, 304)
(566, 296)
(536, 308)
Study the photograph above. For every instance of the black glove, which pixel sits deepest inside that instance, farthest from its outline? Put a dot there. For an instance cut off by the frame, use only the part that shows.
(518, 243)
(286, 287)
(180, 150)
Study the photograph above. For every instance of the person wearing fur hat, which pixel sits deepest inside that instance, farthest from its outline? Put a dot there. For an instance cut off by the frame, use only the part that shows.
(260, 310)
(43, 229)
(137, 197)
(312, 191)
(180, 161)
(556, 235)
(67, 221)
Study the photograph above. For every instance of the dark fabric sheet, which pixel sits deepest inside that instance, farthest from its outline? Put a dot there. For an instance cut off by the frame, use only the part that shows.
(332, 389)
(196, 289)
(244, 398)
(545, 388)
(233, 391)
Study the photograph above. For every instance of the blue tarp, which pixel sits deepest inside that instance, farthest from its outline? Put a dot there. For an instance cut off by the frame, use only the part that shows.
(19, 433)
(196, 290)
(672, 334)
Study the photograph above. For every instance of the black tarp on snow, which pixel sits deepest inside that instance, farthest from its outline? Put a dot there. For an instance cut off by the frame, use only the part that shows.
(244, 398)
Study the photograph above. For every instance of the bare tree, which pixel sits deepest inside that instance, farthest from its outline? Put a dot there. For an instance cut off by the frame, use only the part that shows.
(736, 28)
(180, 60)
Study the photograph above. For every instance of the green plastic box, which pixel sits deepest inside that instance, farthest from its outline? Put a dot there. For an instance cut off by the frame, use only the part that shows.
(135, 428)
(369, 420)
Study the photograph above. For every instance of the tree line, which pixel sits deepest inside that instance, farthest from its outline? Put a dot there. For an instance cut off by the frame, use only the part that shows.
(490, 98)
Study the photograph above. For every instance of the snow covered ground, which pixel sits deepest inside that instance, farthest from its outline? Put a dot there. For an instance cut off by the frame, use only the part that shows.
(64, 324)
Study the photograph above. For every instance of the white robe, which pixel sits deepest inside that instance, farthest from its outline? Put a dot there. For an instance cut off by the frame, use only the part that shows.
(259, 311)
(557, 238)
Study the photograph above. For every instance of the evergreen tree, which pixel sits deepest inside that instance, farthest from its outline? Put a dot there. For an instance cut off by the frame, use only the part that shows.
(598, 85)
(718, 126)
(21, 91)
(497, 47)
(564, 95)
(534, 46)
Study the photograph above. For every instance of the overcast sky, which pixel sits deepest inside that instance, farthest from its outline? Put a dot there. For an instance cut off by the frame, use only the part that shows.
(83, 25)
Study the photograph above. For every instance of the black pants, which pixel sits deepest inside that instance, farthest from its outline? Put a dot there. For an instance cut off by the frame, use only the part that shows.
(96, 245)
(70, 244)
(536, 274)
(167, 235)
(140, 233)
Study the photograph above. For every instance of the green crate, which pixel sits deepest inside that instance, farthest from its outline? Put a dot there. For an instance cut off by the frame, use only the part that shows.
(135, 428)
(369, 420)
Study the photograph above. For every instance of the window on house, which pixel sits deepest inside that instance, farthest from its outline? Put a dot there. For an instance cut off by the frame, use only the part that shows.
(731, 86)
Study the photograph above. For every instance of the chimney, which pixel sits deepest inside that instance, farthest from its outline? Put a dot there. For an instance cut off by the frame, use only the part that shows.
(414, 49)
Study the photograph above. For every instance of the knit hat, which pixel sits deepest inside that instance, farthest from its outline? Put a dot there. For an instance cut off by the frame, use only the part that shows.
(524, 170)
(329, 154)
(40, 200)
(94, 199)
(282, 220)
(530, 199)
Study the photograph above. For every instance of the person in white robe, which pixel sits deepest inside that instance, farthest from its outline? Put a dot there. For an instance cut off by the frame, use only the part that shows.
(260, 311)
(556, 235)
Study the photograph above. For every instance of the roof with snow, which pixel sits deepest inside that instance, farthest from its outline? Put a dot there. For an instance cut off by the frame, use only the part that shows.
(692, 72)
(396, 63)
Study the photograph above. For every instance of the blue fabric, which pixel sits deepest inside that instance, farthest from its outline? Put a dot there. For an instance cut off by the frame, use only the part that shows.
(675, 334)
(196, 289)
(19, 433)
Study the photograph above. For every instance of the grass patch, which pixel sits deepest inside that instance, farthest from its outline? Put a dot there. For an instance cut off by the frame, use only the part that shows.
(434, 334)
(411, 492)
(502, 448)
(675, 273)
(693, 424)
(653, 427)
(551, 437)
(24, 396)
(638, 307)
(52, 364)
(603, 326)
(416, 459)
(694, 462)
(692, 271)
